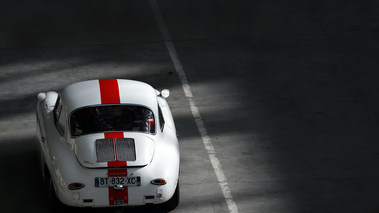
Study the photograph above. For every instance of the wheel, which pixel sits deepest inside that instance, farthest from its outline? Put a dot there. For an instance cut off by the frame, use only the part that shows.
(174, 201)
(55, 204)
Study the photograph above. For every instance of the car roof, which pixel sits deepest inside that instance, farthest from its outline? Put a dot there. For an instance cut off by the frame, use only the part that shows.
(108, 91)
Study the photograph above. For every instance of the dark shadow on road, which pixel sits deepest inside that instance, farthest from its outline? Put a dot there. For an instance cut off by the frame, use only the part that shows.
(48, 23)
(304, 86)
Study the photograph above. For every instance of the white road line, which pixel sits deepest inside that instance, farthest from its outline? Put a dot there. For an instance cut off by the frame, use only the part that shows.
(195, 111)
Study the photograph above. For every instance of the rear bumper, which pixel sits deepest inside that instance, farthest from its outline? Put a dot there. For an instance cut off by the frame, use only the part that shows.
(92, 196)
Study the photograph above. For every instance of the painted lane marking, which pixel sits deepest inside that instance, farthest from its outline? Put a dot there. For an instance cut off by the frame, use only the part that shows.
(195, 111)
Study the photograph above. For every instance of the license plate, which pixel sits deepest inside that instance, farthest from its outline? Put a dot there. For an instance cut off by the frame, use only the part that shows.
(113, 181)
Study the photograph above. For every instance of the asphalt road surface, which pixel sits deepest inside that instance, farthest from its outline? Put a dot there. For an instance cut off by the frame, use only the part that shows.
(287, 92)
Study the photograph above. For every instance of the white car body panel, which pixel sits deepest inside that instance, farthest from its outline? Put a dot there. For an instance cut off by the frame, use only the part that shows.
(71, 159)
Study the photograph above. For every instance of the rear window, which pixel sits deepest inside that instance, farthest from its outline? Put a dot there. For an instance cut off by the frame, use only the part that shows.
(112, 118)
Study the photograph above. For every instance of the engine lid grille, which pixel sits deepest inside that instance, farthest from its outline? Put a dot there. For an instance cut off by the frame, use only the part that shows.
(105, 150)
(108, 149)
(126, 150)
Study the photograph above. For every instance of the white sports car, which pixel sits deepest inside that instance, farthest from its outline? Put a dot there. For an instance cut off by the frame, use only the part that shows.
(108, 142)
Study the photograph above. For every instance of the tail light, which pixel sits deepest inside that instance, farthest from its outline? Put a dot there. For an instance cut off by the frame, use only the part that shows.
(75, 186)
(158, 181)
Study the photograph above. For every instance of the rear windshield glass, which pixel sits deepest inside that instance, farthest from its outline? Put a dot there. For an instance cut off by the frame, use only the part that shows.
(112, 118)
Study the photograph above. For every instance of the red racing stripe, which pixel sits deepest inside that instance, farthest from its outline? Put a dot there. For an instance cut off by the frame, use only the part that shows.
(109, 92)
(117, 194)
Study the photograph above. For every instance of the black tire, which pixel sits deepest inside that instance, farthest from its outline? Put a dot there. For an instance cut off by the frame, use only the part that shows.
(174, 200)
(55, 204)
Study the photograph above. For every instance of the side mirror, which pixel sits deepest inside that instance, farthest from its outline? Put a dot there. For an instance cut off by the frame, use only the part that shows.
(41, 96)
(47, 100)
(165, 93)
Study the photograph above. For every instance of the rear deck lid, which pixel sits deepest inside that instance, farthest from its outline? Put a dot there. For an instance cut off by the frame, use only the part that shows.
(114, 150)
